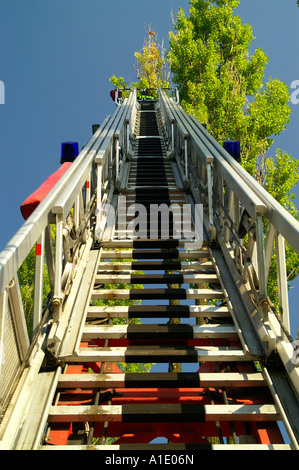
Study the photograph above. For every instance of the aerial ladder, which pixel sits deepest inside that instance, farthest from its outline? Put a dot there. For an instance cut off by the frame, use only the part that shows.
(157, 246)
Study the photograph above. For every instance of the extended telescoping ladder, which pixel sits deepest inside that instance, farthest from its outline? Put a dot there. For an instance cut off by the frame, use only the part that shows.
(138, 277)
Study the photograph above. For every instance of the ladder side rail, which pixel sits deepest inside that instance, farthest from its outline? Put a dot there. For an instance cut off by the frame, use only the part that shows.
(105, 155)
(119, 142)
(200, 166)
(281, 219)
(91, 166)
(247, 197)
(168, 119)
(179, 116)
(254, 264)
(14, 339)
(100, 161)
(133, 113)
(229, 193)
(130, 138)
(225, 180)
(16, 250)
(204, 156)
(205, 177)
(123, 136)
(69, 197)
(38, 281)
(126, 109)
(272, 329)
(281, 268)
(131, 122)
(35, 232)
(180, 137)
(285, 226)
(106, 165)
(278, 327)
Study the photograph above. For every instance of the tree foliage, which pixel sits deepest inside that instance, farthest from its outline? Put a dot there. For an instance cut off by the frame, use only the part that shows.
(151, 66)
(223, 85)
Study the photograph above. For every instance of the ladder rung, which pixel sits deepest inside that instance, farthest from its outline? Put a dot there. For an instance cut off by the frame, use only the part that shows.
(155, 254)
(162, 380)
(157, 311)
(135, 187)
(140, 294)
(148, 136)
(135, 332)
(155, 278)
(149, 244)
(149, 413)
(135, 354)
(135, 167)
(192, 266)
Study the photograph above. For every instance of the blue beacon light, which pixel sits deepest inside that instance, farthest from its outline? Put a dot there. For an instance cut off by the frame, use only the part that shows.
(233, 147)
(69, 151)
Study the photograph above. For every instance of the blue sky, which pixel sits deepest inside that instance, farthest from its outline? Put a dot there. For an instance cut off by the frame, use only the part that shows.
(56, 57)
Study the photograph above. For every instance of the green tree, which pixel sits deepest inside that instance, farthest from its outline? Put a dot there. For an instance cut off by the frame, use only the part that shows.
(151, 66)
(121, 83)
(222, 85)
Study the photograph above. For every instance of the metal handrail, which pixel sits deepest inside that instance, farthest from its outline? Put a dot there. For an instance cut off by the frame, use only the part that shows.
(282, 220)
(16, 250)
(217, 165)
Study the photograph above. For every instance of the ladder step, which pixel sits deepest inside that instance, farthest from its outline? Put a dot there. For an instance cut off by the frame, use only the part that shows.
(153, 167)
(152, 243)
(155, 278)
(148, 354)
(148, 137)
(162, 169)
(142, 294)
(155, 254)
(134, 187)
(157, 311)
(162, 380)
(191, 266)
(156, 174)
(170, 413)
(158, 332)
(157, 177)
(153, 194)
